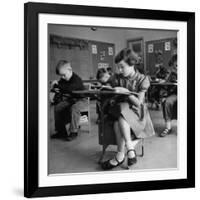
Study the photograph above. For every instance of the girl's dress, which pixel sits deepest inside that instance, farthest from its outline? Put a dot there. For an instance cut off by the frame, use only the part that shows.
(137, 117)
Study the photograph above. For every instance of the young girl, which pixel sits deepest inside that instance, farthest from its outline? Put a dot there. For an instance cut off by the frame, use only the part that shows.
(131, 117)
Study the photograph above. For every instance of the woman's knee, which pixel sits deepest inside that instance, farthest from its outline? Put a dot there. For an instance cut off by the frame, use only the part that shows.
(122, 121)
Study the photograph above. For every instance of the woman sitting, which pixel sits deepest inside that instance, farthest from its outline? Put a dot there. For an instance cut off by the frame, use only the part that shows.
(129, 114)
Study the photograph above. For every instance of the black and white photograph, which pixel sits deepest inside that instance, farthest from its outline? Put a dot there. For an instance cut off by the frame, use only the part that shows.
(109, 95)
(112, 99)
(100, 100)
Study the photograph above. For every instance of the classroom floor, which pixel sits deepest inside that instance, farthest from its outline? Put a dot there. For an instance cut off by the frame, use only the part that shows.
(83, 153)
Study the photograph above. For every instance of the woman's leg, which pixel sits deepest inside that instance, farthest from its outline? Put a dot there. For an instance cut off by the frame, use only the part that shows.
(126, 134)
(120, 144)
(119, 138)
(125, 129)
(120, 155)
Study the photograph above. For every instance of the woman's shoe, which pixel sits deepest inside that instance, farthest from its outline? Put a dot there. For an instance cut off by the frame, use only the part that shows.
(165, 132)
(107, 165)
(131, 161)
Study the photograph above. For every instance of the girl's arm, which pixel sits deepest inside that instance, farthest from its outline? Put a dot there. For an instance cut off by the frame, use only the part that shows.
(144, 85)
(133, 99)
(137, 101)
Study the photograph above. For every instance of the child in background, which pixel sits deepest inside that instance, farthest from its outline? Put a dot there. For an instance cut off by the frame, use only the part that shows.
(102, 76)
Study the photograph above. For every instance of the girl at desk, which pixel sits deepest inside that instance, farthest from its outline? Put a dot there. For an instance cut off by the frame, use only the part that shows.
(131, 118)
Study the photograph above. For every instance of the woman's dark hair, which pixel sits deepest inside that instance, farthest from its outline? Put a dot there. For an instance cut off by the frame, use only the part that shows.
(100, 73)
(128, 55)
(60, 64)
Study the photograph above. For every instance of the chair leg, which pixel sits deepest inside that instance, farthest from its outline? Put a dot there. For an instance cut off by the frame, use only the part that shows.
(142, 148)
(102, 154)
(89, 122)
(142, 154)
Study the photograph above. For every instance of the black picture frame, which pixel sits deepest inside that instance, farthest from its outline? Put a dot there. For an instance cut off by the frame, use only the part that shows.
(31, 12)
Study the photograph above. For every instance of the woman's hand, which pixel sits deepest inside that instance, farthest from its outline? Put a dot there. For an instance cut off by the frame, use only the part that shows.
(121, 89)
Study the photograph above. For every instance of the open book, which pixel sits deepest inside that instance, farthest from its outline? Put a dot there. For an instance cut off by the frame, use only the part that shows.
(109, 88)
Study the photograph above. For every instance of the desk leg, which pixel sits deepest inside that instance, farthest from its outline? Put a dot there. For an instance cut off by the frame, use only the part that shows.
(102, 118)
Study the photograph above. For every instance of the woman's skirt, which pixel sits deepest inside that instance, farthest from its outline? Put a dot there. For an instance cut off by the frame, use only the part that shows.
(141, 126)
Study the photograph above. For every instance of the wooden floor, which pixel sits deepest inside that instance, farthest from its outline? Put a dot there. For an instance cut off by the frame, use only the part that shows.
(83, 153)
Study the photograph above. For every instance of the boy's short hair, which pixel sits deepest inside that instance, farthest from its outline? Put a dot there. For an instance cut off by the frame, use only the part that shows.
(128, 55)
(60, 64)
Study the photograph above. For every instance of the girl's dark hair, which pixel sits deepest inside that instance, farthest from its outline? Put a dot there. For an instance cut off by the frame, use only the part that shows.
(100, 73)
(128, 55)
(60, 64)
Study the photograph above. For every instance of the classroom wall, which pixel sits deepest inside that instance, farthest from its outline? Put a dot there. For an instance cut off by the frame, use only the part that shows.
(117, 36)
(149, 35)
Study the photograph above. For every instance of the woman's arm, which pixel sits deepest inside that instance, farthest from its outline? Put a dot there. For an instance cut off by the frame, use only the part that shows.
(144, 85)
(137, 101)
(133, 99)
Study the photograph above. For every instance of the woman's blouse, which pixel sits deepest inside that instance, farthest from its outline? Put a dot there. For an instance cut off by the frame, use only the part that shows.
(136, 82)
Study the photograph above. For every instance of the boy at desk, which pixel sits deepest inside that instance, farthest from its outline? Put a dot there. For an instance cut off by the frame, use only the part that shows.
(66, 107)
